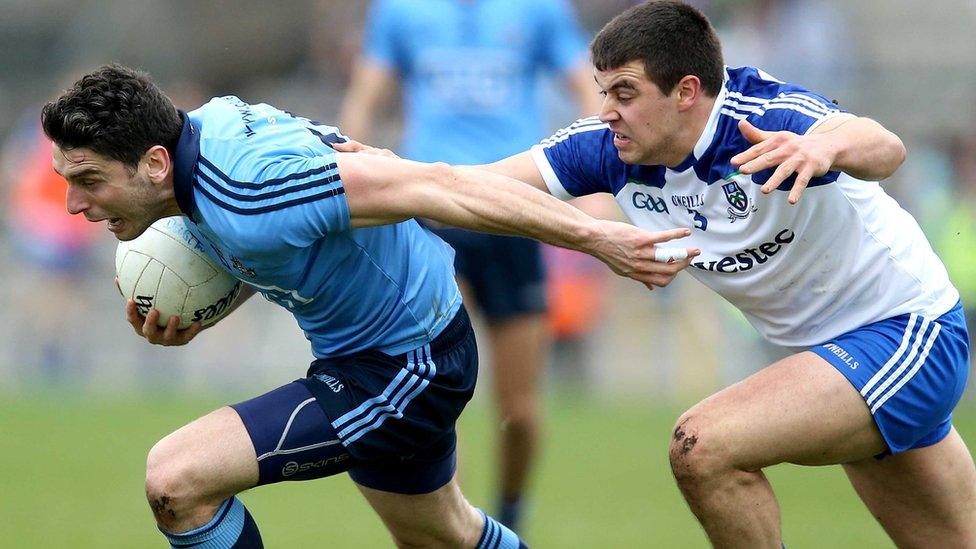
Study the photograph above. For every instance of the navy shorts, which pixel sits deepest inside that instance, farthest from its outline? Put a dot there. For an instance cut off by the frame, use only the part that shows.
(506, 273)
(911, 371)
(387, 420)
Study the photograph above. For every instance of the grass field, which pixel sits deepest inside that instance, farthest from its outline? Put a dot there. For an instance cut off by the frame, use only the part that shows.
(71, 475)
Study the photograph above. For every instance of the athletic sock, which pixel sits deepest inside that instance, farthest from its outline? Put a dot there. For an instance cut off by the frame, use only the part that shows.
(498, 536)
(232, 527)
(510, 512)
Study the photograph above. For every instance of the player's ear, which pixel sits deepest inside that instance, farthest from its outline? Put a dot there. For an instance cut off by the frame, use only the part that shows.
(158, 163)
(687, 92)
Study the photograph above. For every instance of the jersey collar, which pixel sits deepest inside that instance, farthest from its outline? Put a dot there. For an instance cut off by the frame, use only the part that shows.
(185, 163)
(708, 133)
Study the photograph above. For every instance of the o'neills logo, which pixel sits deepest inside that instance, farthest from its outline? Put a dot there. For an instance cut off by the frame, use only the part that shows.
(749, 257)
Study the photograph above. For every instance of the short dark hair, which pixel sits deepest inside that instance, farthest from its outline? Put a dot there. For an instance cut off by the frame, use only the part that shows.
(116, 112)
(673, 40)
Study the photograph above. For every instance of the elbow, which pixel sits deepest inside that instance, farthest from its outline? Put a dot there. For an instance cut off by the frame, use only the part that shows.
(900, 151)
(895, 156)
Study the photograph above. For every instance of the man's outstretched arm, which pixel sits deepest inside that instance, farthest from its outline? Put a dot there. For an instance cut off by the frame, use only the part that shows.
(382, 190)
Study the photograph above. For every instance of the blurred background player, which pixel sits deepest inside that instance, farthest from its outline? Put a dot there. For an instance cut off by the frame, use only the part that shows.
(470, 76)
(56, 253)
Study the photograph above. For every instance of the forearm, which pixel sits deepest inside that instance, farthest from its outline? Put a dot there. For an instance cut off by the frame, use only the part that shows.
(489, 202)
(864, 149)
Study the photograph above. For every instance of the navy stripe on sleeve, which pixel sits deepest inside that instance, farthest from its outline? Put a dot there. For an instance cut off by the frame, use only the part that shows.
(271, 207)
(262, 184)
(271, 194)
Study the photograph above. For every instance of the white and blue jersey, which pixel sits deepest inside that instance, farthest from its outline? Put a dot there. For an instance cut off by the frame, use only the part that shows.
(262, 190)
(846, 256)
(470, 71)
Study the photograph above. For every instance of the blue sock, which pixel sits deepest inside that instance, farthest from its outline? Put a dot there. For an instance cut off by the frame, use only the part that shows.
(497, 536)
(231, 528)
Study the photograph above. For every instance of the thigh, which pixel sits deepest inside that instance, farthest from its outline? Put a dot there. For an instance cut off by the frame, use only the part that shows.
(213, 453)
(910, 370)
(798, 410)
(519, 350)
(924, 497)
(291, 437)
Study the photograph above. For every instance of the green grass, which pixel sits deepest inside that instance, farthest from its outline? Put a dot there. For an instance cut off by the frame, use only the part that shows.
(71, 475)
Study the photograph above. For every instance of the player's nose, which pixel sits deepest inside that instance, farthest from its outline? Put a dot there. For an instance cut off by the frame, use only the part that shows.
(608, 113)
(76, 201)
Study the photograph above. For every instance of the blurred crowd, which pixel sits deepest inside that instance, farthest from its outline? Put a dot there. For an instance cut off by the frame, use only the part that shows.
(908, 64)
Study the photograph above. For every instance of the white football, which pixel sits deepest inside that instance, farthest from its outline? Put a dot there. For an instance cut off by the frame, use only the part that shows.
(166, 268)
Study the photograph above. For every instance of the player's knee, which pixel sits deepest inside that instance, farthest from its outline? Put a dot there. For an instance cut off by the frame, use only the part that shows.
(171, 485)
(695, 456)
(521, 416)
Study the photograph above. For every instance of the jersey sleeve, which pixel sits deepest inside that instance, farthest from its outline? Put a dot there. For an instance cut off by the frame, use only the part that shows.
(379, 37)
(283, 186)
(800, 111)
(795, 109)
(562, 43)
(574, 161)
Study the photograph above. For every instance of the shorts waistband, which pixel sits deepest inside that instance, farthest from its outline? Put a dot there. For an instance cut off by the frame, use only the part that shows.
(453, 333)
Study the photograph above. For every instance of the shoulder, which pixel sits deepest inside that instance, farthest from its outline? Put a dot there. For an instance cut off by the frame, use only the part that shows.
(750, 85)
(588, 130)
(772, 104)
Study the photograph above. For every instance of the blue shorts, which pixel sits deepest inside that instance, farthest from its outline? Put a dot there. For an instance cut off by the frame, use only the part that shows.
(506, 273)
(911, 371)
(387, 420)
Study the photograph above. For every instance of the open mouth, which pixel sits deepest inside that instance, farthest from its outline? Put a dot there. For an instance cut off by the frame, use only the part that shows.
(620, 138)
(114, 223)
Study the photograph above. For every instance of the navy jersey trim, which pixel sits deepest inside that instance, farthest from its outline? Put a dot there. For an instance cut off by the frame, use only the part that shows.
(272, 207)
(271, 194)
(187, 152)
(257, 185)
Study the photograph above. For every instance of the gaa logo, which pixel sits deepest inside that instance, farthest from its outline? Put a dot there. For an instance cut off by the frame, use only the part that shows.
(647, 202)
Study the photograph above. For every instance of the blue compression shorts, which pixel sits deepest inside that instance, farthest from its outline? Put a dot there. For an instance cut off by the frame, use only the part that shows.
(387, 420)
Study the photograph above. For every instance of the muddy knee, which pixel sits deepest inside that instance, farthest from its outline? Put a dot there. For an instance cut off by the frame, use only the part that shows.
(172, 487)
(694, 455)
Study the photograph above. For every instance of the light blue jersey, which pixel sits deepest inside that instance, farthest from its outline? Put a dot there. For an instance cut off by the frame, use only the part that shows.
(261, 187)
(470, 71)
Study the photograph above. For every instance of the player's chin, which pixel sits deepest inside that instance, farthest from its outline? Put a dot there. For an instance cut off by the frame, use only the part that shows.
(125, 230)
(629, 155)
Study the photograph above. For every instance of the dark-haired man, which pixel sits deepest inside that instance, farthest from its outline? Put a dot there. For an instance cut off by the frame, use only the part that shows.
(845, 277)
(329, 236)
